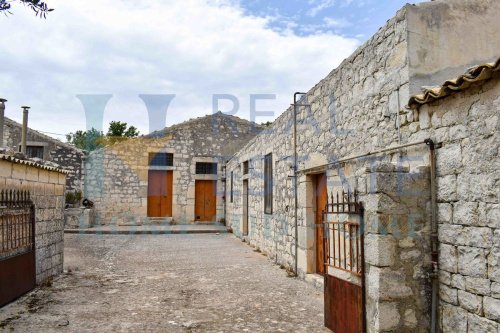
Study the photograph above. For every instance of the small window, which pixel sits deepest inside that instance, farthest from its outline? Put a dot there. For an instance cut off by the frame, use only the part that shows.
(34, 152)
(268, 184)
(245, 168)
(203, 168)
(161, 159)
(231, 186)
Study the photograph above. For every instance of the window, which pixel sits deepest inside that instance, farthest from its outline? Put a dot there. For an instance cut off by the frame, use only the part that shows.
(231, 186)
(203, 168)
(245, 168)
(34, 151)
(161, 159)
(268, 184)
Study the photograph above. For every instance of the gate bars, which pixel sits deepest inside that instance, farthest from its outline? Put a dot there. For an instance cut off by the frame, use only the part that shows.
(17, 223)
(343, 236)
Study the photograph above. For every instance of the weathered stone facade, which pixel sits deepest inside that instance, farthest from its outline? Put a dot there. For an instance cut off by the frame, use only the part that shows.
(46, 186)
(116, 177)
(359, 108)
(64, 155)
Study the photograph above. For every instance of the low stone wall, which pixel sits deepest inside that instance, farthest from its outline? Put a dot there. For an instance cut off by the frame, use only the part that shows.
(75, 218)
(46, 186)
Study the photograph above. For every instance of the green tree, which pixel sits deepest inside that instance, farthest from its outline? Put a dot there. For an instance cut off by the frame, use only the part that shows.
(39, 7)
(87, 140)
(93, 139)
(119, 129)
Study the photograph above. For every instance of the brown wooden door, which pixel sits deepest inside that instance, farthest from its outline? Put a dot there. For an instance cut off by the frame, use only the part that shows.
(160, 190)
(321, 201)
(205, 200)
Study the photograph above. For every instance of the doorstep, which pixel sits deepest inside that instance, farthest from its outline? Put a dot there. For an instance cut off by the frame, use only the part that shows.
(151, 229)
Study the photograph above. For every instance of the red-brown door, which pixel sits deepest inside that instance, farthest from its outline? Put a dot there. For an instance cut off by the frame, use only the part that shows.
(321, 201)
(205, 209)
(160, 193)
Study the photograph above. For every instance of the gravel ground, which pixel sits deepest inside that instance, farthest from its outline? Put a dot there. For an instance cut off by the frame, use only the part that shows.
(166, 283)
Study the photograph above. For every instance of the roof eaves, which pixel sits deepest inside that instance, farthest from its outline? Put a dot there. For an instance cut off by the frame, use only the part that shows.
(473, 76)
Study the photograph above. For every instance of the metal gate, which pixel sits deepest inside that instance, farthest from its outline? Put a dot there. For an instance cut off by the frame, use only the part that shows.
(344, 273)
(17, 245)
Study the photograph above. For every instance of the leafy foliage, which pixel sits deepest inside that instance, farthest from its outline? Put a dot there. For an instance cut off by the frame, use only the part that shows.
(119, 129)
(93, 139)
(88, 140)
(39, 7)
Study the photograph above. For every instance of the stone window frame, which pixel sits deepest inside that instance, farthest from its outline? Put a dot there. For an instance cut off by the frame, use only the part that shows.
(268, 184)
(42, 144)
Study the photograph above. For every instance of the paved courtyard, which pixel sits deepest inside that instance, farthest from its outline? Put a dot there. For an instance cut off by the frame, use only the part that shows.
(166, 283)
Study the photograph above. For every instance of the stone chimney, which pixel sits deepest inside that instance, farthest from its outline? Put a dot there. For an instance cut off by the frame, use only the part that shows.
(2, 115)
(24, 132)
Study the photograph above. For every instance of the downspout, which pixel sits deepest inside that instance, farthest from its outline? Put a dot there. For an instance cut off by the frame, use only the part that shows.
(24, 132)
(295, 181)
(434, 238)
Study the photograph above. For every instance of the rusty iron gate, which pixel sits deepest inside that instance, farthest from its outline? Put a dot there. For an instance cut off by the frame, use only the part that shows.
(344, 273)
(17, 245)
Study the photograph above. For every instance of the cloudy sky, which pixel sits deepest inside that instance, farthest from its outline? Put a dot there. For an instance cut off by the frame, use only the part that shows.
(191, 48)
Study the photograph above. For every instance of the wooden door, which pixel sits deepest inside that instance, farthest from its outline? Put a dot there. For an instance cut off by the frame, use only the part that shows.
(321, 201)
(160, 193)
(245, 208)
(205, 209)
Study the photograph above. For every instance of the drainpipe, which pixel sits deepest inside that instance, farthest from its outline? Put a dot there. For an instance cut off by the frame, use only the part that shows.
(2, 115)
(295, 181)
(434, 238)
(24, 131)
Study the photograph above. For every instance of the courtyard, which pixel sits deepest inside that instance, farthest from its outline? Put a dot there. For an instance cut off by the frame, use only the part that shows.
(166, 283)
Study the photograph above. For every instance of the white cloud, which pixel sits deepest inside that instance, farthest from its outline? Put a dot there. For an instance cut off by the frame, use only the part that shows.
(192, 48)
(319, 6)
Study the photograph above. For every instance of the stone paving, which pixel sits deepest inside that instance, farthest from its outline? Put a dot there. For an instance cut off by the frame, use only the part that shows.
(166, 283)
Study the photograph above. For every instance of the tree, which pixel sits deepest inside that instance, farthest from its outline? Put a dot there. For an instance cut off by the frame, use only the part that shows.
(93, 139)
(40, 8)
(87, 140)
(119, 129)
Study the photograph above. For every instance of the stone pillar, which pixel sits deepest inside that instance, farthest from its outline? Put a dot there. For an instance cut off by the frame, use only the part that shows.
(397, 249)
(24, 132)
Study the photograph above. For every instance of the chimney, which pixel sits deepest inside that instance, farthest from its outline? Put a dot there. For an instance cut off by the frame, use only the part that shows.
(2, 115)
(24, 131)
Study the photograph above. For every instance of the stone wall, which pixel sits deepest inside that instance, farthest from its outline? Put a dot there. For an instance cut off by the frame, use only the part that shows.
(116, 177)
(360, 108)
(46, 186)
(468, 170)
(64, 155)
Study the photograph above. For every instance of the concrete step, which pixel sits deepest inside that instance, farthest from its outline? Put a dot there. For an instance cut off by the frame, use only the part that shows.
(151, 230)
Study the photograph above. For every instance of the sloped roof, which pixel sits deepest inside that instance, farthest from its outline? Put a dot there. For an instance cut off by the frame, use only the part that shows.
(473, 75)
(32, 163)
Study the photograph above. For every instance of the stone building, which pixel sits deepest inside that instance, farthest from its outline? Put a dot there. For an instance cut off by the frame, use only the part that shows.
(354, 133)
(174, 175)
(44, 147)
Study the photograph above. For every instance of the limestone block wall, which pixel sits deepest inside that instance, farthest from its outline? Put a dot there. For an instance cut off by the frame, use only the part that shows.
(46, 186)
(353, 110)
(116, 177)
(468, 170)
